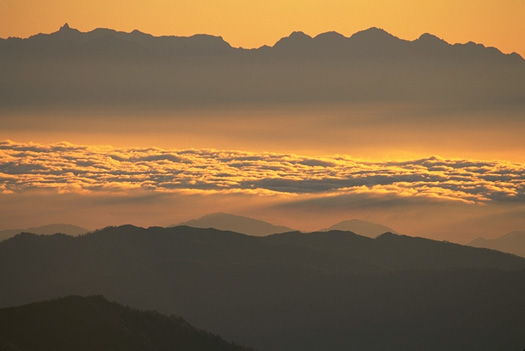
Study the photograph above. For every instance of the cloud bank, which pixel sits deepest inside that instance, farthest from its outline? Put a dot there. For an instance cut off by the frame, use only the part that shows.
(95, 186)
(65, 168)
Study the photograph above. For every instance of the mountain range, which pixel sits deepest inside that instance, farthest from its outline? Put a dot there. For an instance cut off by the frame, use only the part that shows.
(513, 242)
(94, 323)
(292, 291)
(221, 221)
(250, 226)
(108, 68)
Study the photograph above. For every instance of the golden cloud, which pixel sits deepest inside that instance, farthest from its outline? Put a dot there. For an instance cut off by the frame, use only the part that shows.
(69, 168)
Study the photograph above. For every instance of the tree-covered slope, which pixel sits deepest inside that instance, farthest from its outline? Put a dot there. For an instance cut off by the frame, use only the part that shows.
(95, 324)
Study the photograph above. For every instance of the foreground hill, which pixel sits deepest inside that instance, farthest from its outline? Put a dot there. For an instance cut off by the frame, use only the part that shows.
(105, 67)
(328, 290)
(45, 229)
(238, 224)
(93, 323)
(513, 242)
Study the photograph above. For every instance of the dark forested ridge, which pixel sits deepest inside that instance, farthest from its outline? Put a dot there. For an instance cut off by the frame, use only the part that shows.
(327, 290)
(95, 324)
(108, 68)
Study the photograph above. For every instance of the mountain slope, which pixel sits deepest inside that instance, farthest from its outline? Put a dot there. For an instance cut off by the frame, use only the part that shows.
(513, 242)
(238, 224)
(364, 228)
(292, 291)
(94, 323)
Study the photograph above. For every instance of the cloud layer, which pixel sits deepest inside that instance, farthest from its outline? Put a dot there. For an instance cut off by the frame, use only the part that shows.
(67, 168)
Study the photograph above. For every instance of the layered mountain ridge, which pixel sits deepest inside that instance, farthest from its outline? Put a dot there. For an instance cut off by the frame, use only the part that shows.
(513, 242)
(266, 292)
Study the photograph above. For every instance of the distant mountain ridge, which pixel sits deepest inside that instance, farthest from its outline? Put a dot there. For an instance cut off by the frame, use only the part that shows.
(93, 323)
(360, 227)
(239, 224)
(513, 242)
(267, 291)
(203, 70)
(372, 37)
(45, 229)
(250, 226)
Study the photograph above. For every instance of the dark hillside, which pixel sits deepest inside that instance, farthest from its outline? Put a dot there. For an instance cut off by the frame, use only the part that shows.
(93, 323)
(328, 290)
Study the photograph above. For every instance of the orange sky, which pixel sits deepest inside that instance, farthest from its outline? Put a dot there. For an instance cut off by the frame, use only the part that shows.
(255, 23)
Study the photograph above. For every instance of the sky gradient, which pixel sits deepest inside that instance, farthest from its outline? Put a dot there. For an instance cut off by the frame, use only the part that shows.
(255, 23)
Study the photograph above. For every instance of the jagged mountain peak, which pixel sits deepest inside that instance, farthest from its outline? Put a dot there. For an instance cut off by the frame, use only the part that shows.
(63, 32)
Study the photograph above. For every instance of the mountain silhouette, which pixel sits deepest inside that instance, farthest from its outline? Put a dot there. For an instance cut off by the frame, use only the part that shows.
(45, 229)
(239, 224)
(94, 323)
(293, 291)
(513, 242)
(105, 67)
(360, 227)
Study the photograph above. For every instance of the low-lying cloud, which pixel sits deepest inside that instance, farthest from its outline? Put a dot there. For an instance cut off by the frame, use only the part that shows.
(67, 168)
(96, 186)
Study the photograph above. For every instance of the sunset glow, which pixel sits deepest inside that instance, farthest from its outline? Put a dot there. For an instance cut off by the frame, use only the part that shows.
(293, 175)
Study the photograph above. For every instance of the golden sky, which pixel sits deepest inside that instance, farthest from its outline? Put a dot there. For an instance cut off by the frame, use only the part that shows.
(255, 23)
